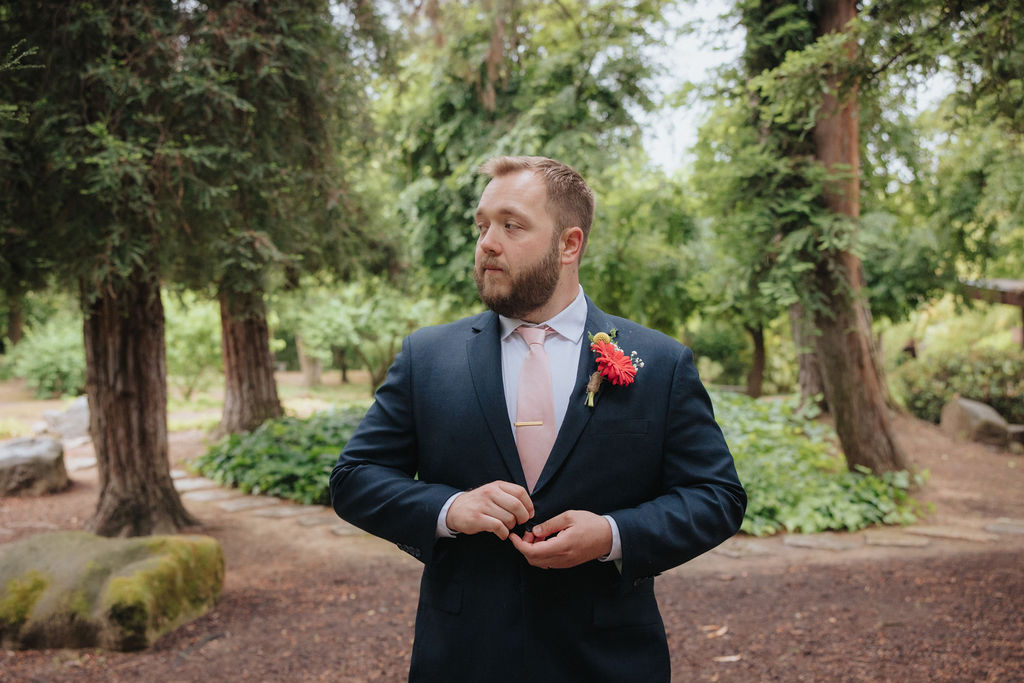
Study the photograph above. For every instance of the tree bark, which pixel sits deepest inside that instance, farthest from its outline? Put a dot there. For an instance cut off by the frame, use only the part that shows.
(341, 362)
(812, 388)
(851, 379)
(15, 320)
(312, 368)
(755, 378)
(250, 390)
(126, 386)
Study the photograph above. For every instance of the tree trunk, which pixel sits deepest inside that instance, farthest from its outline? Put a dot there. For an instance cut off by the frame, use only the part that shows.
(312, 368)
(812, 388)
(15, 320)
(126, 386)
(755, 378)
(851, 379)
(250, 390)
(341, 362)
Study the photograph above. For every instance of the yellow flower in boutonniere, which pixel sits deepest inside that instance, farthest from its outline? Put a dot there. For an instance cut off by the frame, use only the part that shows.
(612, 364)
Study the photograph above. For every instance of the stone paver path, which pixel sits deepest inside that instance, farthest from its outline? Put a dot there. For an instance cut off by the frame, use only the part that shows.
(232, 501)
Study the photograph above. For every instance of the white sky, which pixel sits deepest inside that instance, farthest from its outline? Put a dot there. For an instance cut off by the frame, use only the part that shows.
(669, 133)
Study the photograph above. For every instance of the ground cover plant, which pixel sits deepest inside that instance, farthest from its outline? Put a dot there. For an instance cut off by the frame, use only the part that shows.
(788, 462)
(796, 480)
(289, 457)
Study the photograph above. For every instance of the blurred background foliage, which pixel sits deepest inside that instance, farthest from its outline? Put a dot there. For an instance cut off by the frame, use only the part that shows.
(316, 165)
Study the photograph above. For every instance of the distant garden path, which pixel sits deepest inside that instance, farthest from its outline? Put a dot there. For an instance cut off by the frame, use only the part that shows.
(308, 598)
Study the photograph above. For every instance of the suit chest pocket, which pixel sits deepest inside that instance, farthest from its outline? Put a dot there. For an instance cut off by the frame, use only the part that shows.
(620, 426)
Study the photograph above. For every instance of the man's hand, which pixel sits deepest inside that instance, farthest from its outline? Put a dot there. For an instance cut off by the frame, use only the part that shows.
(495, 507)
(581, 536)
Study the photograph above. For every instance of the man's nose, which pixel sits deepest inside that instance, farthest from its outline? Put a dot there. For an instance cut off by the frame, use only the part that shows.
(489, 241)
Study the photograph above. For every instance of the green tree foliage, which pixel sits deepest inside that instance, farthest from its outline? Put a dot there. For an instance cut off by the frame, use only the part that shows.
(282, 113)
(556, 79)
(366, 319)
(50, 357)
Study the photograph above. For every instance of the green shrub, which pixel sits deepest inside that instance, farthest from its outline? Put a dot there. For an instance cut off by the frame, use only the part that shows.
(727, 345)
(992, 376)
(288, 457)
(192, 338)
(51, 357)
(794, 479)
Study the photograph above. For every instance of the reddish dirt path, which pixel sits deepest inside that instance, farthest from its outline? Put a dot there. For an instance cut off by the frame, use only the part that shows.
(303, 604)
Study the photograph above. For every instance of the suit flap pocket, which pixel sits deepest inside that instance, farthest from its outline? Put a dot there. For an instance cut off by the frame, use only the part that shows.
(443, 595)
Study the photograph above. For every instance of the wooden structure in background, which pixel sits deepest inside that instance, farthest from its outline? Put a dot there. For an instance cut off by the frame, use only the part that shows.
(999, 291)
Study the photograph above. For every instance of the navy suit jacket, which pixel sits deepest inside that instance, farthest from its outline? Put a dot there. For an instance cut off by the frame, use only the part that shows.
(649, 454)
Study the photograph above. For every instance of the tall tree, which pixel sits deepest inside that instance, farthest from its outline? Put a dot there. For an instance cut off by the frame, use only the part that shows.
(289, 108)
(795, 172)
(83, 179)
(852, 378)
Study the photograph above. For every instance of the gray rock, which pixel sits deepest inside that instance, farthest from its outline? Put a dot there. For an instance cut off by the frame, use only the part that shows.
(963, 418)
(72, 423)
(32, 466)
(71, 589)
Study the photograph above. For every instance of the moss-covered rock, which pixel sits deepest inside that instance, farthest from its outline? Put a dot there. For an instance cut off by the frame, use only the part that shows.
(74, 589)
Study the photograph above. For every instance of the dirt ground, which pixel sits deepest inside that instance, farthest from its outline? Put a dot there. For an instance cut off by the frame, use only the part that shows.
(301, 603)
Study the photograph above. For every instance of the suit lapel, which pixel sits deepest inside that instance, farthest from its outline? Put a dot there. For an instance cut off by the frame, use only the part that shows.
(577, 414)
(484, 351)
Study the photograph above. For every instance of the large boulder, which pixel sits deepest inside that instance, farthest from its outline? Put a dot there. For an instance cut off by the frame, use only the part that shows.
(70, 424)
(963, 418)
(32, 466)
(72, 589)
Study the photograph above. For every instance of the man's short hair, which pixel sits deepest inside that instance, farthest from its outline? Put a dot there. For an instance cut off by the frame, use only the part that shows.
(570, 200)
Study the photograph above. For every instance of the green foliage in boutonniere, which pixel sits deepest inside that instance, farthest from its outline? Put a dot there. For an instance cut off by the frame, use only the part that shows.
(612, 364)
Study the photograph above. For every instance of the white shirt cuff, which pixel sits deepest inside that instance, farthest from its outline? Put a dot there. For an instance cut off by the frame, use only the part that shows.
(442, 527)
(616, 552)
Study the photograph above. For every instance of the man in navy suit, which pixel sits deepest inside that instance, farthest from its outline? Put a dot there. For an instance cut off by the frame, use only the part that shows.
(546, 577)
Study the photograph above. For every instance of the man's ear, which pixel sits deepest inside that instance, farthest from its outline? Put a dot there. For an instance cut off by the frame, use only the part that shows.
(571, 241)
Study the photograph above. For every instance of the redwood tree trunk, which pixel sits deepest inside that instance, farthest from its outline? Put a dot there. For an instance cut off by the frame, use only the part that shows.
(126, 385)
(15, 320)
(851, 379)
(812, 388)
(755, 378)
(250, 390)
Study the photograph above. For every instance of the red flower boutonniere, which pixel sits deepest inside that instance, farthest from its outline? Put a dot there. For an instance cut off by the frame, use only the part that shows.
(612, 364)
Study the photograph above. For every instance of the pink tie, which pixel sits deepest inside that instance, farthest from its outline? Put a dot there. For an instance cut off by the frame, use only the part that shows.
(535, 406)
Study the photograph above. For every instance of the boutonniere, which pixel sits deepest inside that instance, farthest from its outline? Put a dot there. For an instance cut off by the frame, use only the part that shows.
(612, 364)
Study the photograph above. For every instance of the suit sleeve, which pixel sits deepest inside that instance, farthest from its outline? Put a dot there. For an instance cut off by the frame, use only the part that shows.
(702, 502)
(374, 484)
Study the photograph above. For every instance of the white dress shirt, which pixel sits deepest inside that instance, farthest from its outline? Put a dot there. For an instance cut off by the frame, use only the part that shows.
(563, 349)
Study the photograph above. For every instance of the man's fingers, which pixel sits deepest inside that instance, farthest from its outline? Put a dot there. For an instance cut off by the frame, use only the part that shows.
(514, 506)
(495, 508)
(567, 540)
(553, 525)
(520, 494)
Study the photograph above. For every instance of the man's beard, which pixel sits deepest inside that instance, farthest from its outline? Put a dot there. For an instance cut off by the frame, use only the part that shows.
(528, 290)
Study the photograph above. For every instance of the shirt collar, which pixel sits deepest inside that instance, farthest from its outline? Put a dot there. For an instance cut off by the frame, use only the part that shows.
(569, 322)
